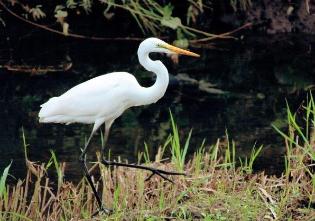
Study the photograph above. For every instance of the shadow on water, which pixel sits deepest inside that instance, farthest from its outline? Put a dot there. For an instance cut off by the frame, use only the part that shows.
(239, 87)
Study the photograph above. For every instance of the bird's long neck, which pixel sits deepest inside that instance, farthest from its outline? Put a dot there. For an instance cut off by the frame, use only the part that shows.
(157, 90)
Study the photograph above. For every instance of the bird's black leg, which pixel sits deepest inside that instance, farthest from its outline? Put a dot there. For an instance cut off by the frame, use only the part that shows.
(155, 171)
(82, 159)
(84, 150)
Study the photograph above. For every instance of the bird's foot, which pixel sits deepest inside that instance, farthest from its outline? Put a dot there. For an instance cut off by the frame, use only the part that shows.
(161, 173)
(102, 211)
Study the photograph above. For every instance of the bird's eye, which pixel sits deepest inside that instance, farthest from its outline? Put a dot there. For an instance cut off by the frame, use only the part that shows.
(161, 46)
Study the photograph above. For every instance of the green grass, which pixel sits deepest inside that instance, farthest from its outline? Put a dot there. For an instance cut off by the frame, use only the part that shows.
(3, 192)
(214, 188)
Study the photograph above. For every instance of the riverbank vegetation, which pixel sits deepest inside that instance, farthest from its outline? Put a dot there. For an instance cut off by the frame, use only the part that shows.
(218, 185)
(158, 18)
(183, 21)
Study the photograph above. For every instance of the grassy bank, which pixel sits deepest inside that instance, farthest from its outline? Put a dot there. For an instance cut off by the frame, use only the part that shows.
(218, 186)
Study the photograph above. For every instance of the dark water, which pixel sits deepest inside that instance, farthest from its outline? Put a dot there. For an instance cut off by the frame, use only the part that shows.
(240, 87)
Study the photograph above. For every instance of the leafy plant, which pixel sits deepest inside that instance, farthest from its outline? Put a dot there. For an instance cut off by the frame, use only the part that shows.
(247, 164)
(300, 151)
(178, 153)
(3, 192)
(152, 17)
(53, 160)
(37, 12)
(85, 4)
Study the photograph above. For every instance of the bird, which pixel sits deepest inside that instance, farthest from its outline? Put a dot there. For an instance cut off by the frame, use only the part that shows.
(101, 100)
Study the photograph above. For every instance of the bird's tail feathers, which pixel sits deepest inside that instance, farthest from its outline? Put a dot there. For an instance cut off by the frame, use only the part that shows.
(48, 109)
(56, 119)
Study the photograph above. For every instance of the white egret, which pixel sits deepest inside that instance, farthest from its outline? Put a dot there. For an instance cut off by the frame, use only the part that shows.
(104, 98)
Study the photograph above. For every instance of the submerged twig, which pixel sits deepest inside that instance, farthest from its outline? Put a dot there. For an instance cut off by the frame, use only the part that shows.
(36, 70)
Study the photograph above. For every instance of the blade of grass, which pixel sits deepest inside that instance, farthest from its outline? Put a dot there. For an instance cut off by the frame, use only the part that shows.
(3, 180)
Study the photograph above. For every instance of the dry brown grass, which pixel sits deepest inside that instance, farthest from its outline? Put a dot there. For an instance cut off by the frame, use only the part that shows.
(209, 192)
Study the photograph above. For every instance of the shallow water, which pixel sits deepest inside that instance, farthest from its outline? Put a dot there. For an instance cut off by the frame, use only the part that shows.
(239, 87)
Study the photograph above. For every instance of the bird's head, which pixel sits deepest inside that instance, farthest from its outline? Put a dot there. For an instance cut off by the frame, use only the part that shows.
(157, 45)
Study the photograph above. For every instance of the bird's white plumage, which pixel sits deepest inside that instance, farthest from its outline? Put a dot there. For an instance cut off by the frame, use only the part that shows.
(105, 98)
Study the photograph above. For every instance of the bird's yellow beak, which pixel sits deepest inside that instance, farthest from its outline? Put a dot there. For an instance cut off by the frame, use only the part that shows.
(179, 50)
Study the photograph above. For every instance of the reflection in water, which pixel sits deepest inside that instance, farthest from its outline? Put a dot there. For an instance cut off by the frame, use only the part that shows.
(251, 80)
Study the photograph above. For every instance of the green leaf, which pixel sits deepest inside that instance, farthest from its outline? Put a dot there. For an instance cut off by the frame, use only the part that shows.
(37, 13)
(61, 14)
(58, 168)
(59, 7)
(86, 5)
(168, 20)
(182, 43)
(171, 22)
(71, 4)
(168, 10)
(3, 180)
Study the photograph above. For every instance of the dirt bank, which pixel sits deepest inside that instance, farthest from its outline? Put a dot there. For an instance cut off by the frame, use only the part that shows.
(282, 16)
